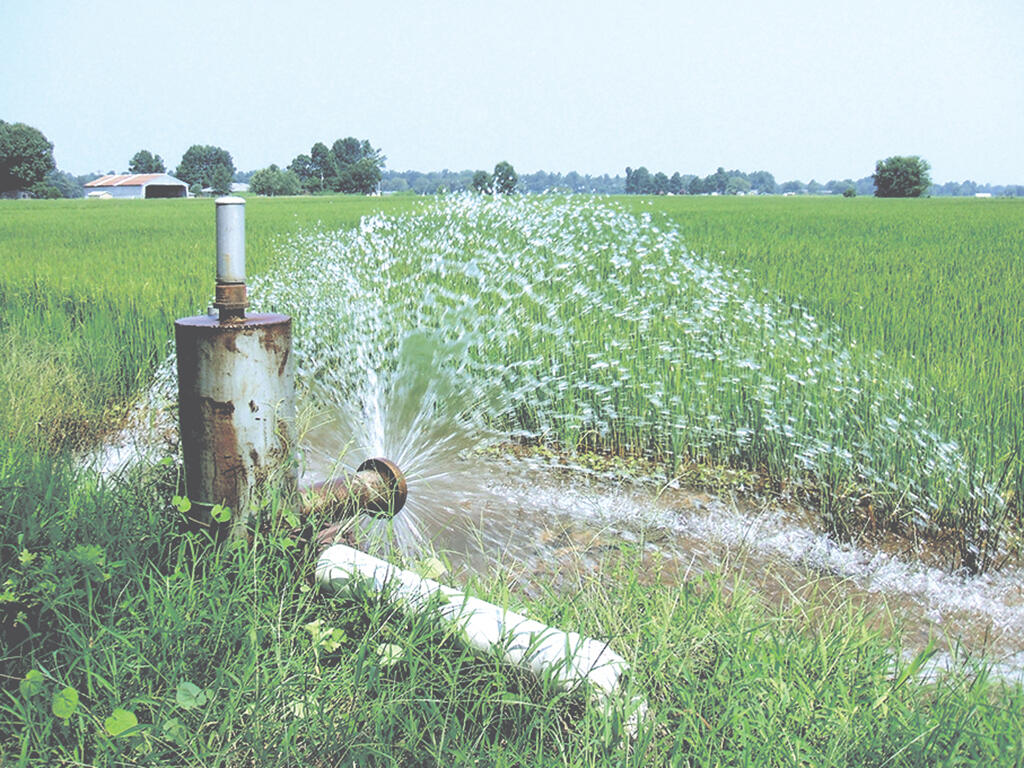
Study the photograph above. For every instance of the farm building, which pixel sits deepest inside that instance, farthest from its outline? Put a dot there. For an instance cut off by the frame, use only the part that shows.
(137, 185)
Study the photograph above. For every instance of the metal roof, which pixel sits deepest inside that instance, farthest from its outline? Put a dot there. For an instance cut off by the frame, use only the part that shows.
(133, 180)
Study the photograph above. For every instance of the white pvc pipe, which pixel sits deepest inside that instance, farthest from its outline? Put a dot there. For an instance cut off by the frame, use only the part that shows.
(567, 657)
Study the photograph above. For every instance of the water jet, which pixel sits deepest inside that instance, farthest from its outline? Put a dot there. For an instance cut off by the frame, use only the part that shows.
(236, 388)
(236, 404)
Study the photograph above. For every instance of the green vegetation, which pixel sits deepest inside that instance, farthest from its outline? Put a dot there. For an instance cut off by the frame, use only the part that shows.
(607, 333)
(26, 157)
(350, 165)
(127, 640)
(203, 166)
(902, 177)
(91, 289)
(932, 285)
(145, 161)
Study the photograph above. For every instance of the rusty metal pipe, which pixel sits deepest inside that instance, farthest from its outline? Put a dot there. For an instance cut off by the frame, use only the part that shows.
(377, 488)
(236, 389)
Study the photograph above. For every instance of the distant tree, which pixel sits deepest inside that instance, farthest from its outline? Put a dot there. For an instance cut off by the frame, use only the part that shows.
(968, 188)
(794, 187)
(718, 181)
(575, 183)
(660, 183)
(505, 178)
(697, 186)
(639, 182)
(900, 176)
(762, 182)
(483, 182)
(675, 184)
(361, 178)
(814, 188)
(357, 166)
(737, 185)
(203, 166)
(302, 167)
(220, 180)
(25, 156)
(349, 165)
(347, 151)
(66, 184)
(865, 186)
(145, 161)
(323, 167)
(273, 181)
(850, 191)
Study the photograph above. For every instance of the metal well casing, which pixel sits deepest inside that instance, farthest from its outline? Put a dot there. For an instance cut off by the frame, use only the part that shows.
(236, 401)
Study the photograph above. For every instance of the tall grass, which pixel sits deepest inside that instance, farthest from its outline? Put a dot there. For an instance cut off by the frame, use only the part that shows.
(90, 291)
(215, 651)
(223, 656)
(933, 284)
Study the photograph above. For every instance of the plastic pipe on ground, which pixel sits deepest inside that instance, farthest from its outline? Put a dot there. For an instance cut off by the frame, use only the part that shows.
(567, 658)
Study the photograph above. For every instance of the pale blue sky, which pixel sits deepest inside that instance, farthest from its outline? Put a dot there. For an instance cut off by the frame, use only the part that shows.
(802, 88)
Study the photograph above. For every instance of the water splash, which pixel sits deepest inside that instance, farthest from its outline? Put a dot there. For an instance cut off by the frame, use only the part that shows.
(424, 335)
(432, 337)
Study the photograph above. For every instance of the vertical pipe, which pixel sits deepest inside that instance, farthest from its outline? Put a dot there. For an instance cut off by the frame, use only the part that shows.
(236, 389)
(230, 240)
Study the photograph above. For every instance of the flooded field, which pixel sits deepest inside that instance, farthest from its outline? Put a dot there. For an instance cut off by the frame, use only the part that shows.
(549, 527)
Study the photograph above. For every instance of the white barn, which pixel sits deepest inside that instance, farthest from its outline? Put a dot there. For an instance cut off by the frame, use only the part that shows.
(137, 185)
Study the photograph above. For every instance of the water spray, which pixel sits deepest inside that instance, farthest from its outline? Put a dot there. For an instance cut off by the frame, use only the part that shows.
(236, 403)
(236, 390)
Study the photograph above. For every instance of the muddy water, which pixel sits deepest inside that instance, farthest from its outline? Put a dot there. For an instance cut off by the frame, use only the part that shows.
(543, 524)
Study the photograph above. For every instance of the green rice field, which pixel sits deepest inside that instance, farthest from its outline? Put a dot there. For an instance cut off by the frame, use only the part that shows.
(862, 356)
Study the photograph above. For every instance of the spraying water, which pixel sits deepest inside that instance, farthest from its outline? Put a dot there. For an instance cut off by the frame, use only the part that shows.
(437, 337)
(427, 335)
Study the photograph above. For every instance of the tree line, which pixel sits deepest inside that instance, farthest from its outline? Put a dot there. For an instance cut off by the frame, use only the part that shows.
(352, 165)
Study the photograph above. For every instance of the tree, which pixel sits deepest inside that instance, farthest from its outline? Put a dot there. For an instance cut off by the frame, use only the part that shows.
(66, 184)
(349, 165)
(145, 161)
(737, 185)
(697, 186)
(361, 178)
(900, 176)
(483, 182)
(505, 178)
(302, 167)
(639, 182)
(675, 184)
(203, 165)
(762, 182)
(323, 166)
(273, 181)
(718, 181)
(25, 156)
(220, 180)
(660, 183)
